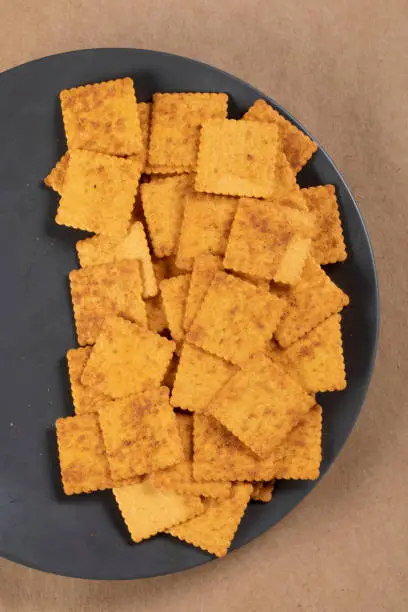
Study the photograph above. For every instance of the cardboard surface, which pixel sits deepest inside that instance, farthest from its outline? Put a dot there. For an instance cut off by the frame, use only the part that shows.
(341, 69)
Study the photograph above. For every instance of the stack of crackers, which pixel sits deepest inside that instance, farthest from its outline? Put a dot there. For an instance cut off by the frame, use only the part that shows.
(205, 322)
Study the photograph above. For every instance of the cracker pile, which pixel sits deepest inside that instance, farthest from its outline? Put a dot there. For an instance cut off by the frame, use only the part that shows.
(205, 322)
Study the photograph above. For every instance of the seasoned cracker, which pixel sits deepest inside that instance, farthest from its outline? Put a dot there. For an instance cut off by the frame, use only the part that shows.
(144, 110)
(205, 228)
(260, 404)
(147, 510)
(176, 122)
(99, 192)
(262, 491)
(269, 240)
(309, 303)
(237, 158)
(140, 433)
(174, 293)
(56, 177)
(199, 376)
(204, 269)
(235, 319)
(163, 205)
(82, 456)
(103, 118)
(105, 249)
(85, 399)
(126, 359)
(328, 241)
(297, 147)
(104, 290)
(156, 317)
(215, 529)
(179, 477)
(317, 359)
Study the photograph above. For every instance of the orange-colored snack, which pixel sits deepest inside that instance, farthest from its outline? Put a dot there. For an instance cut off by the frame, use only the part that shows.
(174, 293)
(237, 158)
(85, 399)
(126, 359)
(297, 147)
(309, 303)
(99, 192)
(328, 241)
(235, 319)
(104, 290)
(214, 529)
(263, 491)
(82, 456)
(176, 122)
(140, 433)
(103, 117)
(260, 404)
(147, 510)
(55, 179)
(204, 269)
(144, 110)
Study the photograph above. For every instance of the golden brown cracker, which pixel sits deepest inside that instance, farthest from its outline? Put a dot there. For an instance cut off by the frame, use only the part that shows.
(103, 118)
(269, 240)
(237, 158)
(99, 192)
(174, 293)
(147, 510)
(204, 268)
(309, 303)
(297, 147)
(163, 205)
(105, 249)
(140, 433)
(179, 477)
(235, 319)
(104, 290)
(55, 179)
(126, 359)
(260, 404)
(205, 227)
(317, 359)
(156, 317)
(168, 380)
(215, 528)
(176, 122)
(328, 241)
(144, 110)
(199, 376)
(82, 456)
(85, 399)
(262, 491)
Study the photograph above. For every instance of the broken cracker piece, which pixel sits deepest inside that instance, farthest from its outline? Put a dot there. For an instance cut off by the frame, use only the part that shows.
(85, 399)
(56, 177)
(174, 293)
(204, 268)
(262, 491)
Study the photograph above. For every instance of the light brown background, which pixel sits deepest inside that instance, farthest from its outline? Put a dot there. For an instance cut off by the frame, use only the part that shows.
(342, 69)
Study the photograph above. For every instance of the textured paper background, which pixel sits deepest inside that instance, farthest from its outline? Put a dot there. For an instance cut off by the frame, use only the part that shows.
(342, 69)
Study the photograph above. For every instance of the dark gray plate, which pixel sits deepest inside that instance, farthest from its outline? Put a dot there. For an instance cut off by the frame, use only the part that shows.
(84, 535)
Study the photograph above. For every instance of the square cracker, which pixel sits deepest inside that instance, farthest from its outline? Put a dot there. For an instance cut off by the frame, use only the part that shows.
(176, 122)
(163, 205)
(309, 303)
(144, 110)
(205, 227)
(198, 378)
(316, 360)
(297, 147)
(262, 491)
(235, 319)
(103, 117)
(82, 456)
(237, 158)
(174, 293)
(204, 269)
(179, 477)
(107, 289)
(126, 359)
(55, 179)
(260, 404)
(85, 399)
(140, 433)
(269, 240)
(286, 190)
(99, 192)
(219, 455)
(147, 510)
(133, 245)
(215, 528)
(328, 241)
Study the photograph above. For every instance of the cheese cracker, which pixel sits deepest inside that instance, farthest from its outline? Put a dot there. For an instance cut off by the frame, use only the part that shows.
(204, 269)
(85, 399)
(174, 293)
